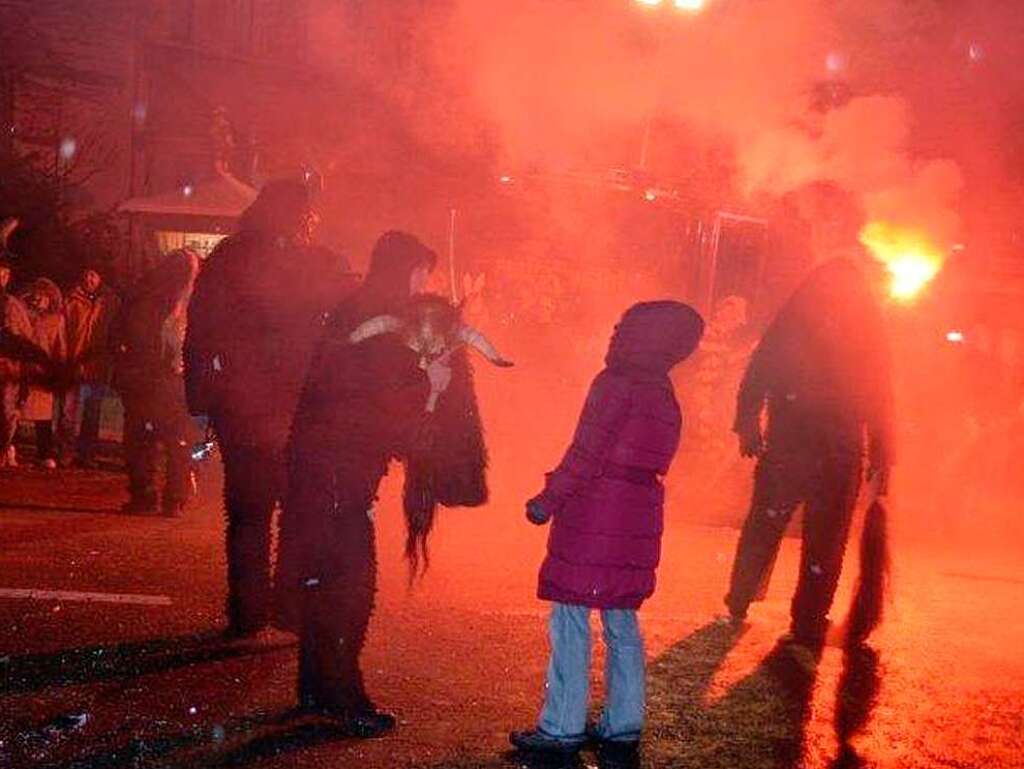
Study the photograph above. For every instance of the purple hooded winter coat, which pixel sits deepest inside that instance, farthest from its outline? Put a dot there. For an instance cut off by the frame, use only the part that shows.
(606, 496)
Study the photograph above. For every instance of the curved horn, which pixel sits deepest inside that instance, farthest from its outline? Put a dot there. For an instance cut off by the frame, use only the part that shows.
(7, 228)
(381, 324)
(474, 338)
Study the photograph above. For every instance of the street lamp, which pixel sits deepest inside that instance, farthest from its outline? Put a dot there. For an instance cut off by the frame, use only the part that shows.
(682, 5)
(685, 6)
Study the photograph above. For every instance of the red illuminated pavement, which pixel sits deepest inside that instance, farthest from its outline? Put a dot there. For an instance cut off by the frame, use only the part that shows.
(145, 681)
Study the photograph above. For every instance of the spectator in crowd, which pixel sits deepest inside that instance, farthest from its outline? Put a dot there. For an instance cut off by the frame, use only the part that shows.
(39, 381)
(89, 314)
(16, 344)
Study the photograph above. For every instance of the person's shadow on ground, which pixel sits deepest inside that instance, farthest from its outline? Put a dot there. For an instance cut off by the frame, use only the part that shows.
(760, 723)
(123, 661)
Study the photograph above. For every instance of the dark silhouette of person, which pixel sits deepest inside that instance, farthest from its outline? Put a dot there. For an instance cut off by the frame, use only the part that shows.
(821, 374)
(256, 314)
(148, 376)
(370, 398)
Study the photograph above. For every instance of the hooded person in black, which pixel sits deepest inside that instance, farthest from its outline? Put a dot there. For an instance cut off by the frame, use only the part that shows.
(822, 374)
(364, 404)
(256, 314)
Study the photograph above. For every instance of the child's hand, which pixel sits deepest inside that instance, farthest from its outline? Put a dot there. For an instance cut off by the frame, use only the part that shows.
(535, 513)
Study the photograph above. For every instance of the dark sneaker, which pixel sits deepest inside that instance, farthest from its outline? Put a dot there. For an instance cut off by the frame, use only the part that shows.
(536, 741)
(805, 652)
(139, 507)
(737, 614)
(731, 621)
(613, 754)
(246, 631)
(363, 724)
(371, 724)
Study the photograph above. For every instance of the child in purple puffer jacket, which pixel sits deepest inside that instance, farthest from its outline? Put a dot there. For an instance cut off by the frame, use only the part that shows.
(606, 500)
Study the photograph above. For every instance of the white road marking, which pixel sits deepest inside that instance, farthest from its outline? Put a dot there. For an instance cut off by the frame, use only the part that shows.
(73, 595)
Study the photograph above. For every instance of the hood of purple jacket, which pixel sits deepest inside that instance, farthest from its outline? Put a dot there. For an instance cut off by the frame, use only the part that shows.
(652, 337)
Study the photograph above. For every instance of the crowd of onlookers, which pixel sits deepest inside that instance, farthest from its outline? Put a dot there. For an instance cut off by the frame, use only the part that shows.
(63, 354)
(56, 363)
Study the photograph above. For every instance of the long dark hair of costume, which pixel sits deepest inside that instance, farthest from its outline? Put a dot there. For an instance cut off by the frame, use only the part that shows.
(868, 603)
(446, 462)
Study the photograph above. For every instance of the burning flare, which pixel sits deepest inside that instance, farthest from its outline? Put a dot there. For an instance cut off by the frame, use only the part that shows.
(911, 259)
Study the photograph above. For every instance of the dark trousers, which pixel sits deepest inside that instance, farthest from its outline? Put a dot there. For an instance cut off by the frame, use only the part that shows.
(45, 445)
(826, 484)
(149, 436)
(329, 570)
(254, 480)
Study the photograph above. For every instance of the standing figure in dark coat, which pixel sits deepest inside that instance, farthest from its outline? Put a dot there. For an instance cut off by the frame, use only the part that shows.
(822, 373)
(148, 376)
(382, 386)
(253, 323)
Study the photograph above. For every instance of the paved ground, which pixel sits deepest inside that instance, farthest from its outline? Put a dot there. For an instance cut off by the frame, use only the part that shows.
(460, 659)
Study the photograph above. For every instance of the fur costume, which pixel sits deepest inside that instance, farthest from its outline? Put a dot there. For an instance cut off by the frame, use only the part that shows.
(255, 317)
(364, 404)
(822, 373)
(148, 376)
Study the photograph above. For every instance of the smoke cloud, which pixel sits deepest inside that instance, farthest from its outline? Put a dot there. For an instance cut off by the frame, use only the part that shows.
(562, 82)
(568, 84)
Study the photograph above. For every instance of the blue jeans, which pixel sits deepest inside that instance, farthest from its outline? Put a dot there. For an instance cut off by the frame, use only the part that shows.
(568, 683)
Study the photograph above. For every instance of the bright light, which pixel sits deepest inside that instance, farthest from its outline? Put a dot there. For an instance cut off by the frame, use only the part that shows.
(650, 195)
(955, 336)
(506, 179)
(691, 6)
(835, 62)
(910, 258)
(187, 190)
(68, 148)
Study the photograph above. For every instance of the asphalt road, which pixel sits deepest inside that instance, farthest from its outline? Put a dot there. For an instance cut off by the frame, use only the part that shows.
(110, 653)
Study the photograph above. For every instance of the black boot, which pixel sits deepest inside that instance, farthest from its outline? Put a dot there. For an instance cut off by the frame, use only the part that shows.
(249, 591)
(330, 681)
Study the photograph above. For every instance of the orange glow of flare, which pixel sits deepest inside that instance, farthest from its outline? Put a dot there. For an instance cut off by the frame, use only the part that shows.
(910, 258)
